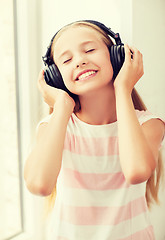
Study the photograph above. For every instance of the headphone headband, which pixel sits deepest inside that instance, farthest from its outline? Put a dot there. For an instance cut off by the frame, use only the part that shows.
(48, 61)
(107, 30)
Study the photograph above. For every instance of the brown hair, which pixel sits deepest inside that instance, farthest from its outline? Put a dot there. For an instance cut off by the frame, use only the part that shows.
(153, 183)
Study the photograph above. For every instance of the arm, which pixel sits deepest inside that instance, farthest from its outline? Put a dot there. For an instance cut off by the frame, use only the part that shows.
(138, 145)
(44, 162)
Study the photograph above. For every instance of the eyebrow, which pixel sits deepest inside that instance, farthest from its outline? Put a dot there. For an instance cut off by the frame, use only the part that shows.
(82, 44)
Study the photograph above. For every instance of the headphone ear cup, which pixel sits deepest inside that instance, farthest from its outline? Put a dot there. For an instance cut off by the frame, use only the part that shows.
(53, 78)
(117, 56)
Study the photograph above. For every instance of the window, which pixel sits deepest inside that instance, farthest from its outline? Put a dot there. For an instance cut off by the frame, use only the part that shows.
(10, 183)
(20, 108)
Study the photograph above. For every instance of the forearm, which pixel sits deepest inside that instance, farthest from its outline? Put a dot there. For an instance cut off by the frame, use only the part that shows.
(44, 163)
(137, 160)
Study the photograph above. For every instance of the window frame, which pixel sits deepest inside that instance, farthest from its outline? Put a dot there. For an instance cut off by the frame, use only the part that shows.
(28, 100)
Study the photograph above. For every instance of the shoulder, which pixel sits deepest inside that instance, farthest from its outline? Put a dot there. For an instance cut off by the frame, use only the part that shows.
(154, 126)
(145, 117)
(154, 131)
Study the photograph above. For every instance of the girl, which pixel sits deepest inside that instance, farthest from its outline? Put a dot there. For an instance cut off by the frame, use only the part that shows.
(99, 150)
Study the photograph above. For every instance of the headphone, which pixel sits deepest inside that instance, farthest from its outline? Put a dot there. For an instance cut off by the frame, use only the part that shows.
(52, 74)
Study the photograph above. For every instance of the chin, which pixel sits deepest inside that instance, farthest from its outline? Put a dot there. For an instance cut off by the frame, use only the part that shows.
(90, 86)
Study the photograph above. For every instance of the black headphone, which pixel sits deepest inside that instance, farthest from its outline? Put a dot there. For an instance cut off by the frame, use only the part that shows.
(52, 74)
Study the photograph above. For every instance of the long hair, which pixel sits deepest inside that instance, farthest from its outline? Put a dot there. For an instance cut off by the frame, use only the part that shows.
(153, 183)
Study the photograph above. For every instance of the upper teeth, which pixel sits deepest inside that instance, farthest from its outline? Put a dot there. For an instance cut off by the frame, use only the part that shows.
(84, 75)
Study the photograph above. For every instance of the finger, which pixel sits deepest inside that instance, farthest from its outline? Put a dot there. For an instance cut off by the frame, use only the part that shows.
(42, 72)
(41, 81)
(41, 75)
(137, 60)
(127, 53)
(137, 56)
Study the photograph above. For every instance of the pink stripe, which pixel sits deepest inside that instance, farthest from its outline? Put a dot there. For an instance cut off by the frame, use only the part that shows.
(91, 146)
(102, 215)
(93, 181)
(145, 234)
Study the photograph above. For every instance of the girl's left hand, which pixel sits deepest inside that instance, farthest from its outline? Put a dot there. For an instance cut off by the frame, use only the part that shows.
(131, 71)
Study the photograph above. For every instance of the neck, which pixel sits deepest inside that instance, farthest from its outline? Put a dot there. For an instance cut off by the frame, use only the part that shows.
(98, 107)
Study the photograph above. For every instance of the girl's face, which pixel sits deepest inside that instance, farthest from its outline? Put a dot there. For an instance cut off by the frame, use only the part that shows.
(83, 60)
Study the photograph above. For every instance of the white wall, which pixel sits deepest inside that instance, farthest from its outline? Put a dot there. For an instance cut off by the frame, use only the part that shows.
(63, 12)
(148, 34)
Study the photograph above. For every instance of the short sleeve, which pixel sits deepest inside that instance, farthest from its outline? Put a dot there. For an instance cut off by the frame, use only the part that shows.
(145, 115)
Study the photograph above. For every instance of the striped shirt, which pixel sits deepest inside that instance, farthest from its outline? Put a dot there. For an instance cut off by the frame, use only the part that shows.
(94, 201)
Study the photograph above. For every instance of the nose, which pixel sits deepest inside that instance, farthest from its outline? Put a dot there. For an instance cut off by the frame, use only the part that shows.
(80, 61)
(81, 64)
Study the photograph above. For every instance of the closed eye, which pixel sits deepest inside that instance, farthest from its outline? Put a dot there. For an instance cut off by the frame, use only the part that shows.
(66, 61)
(90, 50)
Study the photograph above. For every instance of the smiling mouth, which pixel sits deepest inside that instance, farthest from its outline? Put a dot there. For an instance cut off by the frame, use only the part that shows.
(86, 75)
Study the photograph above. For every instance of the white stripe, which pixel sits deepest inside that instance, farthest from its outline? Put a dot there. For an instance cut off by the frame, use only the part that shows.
(91, 164)
(109, 198)
(140, 222)
(82, 129)
(121, 230)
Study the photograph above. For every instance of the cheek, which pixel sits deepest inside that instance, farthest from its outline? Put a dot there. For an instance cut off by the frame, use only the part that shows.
(67, 77)
(65, 74)
(105, 62)
(110, 69)
(107, 66)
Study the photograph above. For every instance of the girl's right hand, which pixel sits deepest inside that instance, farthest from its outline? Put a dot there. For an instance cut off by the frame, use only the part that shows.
(53, 95)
